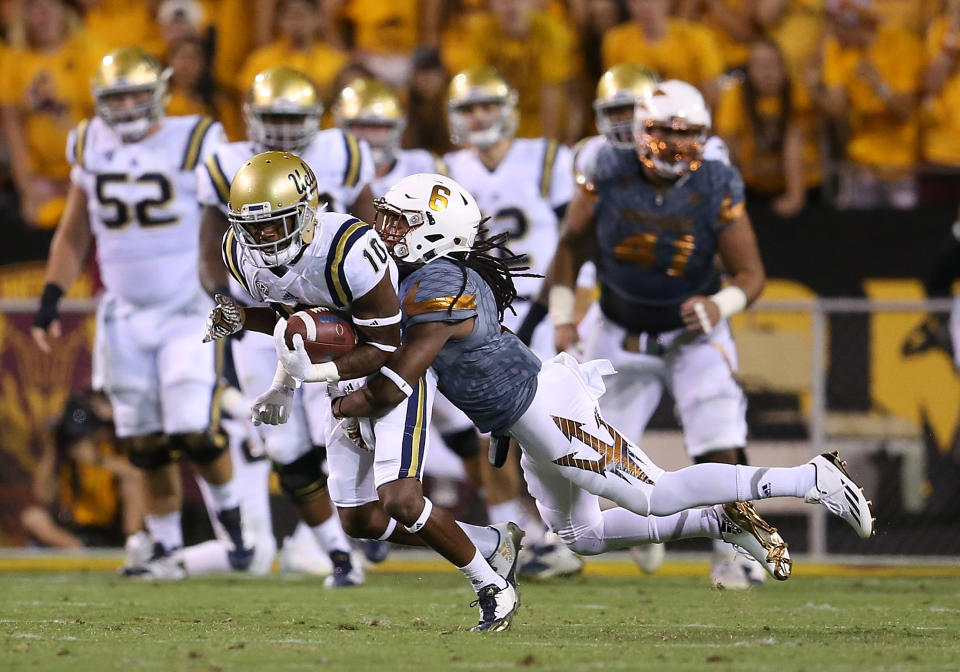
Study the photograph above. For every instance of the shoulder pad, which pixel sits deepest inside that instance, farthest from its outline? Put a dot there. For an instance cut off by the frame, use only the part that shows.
(436, 293)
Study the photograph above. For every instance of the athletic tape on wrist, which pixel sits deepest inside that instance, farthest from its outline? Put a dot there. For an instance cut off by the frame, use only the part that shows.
(284, 379)
(424, 517)
(391, 526)
(730, 300)
(562, 303)
(325, 372)
(397, 380)
(377, 321)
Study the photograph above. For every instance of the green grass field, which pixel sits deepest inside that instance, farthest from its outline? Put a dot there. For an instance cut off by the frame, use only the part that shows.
(83, 621)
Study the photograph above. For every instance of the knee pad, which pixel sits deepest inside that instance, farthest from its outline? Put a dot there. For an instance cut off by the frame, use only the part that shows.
(200, 447)
(464, 443)
(149, 452)
(583, 542)
(303, 479)
(740, 456)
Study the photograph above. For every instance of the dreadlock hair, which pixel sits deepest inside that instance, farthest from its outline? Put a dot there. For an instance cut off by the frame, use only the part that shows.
(497, 270)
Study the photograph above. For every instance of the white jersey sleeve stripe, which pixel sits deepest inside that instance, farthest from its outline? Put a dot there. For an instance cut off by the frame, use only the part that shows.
(80, 144)
(220, 182)
(546, 170)
(351, 173)
(192, 152)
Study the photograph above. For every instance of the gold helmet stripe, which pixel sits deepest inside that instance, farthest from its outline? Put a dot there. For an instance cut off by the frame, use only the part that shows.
(80, 142)
(231, 257)
(192, 153)
(220, 181)
(351, 174)
(440, 166)
(350, 231)
(546, 170)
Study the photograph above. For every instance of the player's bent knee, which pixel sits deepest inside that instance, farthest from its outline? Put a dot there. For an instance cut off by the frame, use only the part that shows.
(303, 479)
(464, 443)
(401, 502)
(200, 447)
(148, 452)
(357, 522)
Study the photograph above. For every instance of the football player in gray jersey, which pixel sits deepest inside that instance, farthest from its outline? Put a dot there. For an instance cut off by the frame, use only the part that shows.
(453, 297)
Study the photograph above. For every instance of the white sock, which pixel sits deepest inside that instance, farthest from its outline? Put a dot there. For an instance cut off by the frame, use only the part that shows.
(480, 573)
(210, 556)
(623, 529)
(165, 529)
(330, 535)
(517, 512)
(224, 495)
(486, 539)
(711, 483)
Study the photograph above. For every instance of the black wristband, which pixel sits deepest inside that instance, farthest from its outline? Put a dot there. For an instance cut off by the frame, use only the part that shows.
(221, 289)
(49, 301)
(533, 318)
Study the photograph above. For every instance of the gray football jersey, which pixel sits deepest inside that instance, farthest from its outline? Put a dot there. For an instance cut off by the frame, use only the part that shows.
(490, 375)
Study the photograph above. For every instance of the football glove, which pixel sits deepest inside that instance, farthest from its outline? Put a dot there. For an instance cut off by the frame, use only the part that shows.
(225, 319)
(273, 406)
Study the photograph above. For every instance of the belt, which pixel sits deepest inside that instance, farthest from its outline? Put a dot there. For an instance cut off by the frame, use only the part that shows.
(643, 344)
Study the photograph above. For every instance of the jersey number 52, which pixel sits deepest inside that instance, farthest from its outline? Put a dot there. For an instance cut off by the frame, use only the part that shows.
(145, 209)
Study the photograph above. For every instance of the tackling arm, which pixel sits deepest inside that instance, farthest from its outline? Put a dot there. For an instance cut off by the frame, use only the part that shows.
(213, 272)
(421, 344)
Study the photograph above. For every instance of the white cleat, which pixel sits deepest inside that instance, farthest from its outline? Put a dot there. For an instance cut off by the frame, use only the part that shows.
(504, 559)
(164, 568)
(549, 560)
(298, 557)
(138, 549)
(740, 524)
(839, 494)
(726, 573)
(497, 607)
(648, 557)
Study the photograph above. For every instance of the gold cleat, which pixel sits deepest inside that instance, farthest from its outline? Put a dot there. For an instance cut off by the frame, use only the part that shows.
(740, 524)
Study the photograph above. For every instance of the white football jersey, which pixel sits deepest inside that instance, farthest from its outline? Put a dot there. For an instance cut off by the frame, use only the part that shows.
(345, 260)
(142, 204)
(342, 164)
(407, 162)
(521, 196)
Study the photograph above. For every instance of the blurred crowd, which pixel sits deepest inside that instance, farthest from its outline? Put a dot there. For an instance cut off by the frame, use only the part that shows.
(856, 102)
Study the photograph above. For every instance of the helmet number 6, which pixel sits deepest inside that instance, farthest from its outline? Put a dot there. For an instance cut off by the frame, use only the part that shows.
(438, 197)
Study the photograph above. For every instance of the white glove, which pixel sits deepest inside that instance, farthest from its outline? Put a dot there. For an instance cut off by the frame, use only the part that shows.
(226, 318)
(273, 406)
(297, 362)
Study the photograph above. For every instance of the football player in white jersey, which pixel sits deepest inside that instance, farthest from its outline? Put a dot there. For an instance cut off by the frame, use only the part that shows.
(523, 186)
(133, 190)
(282, 112)
(287, 254)
(370, 110)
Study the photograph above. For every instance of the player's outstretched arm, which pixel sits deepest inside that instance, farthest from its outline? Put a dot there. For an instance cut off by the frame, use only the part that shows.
(577, 235)
(68, 253)
(740, 255)
(395, 382)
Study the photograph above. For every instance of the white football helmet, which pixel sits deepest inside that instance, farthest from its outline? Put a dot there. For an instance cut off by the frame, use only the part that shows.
(427, 216)
(671, 126)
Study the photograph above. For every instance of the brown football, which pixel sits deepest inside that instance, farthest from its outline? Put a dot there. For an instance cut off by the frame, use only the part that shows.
(326, 333)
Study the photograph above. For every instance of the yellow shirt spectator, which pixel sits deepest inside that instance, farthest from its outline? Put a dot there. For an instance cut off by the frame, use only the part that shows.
(941, 141)
(119, 23)
(50, 92)
(877, 137)
(761, 160)
(320, 63)
(384, 27)
(912, 15)
(688, 51)
(540, 58)
(799, 34)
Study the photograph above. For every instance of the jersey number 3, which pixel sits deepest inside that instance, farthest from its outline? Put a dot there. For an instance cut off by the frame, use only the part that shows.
(144, 209)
